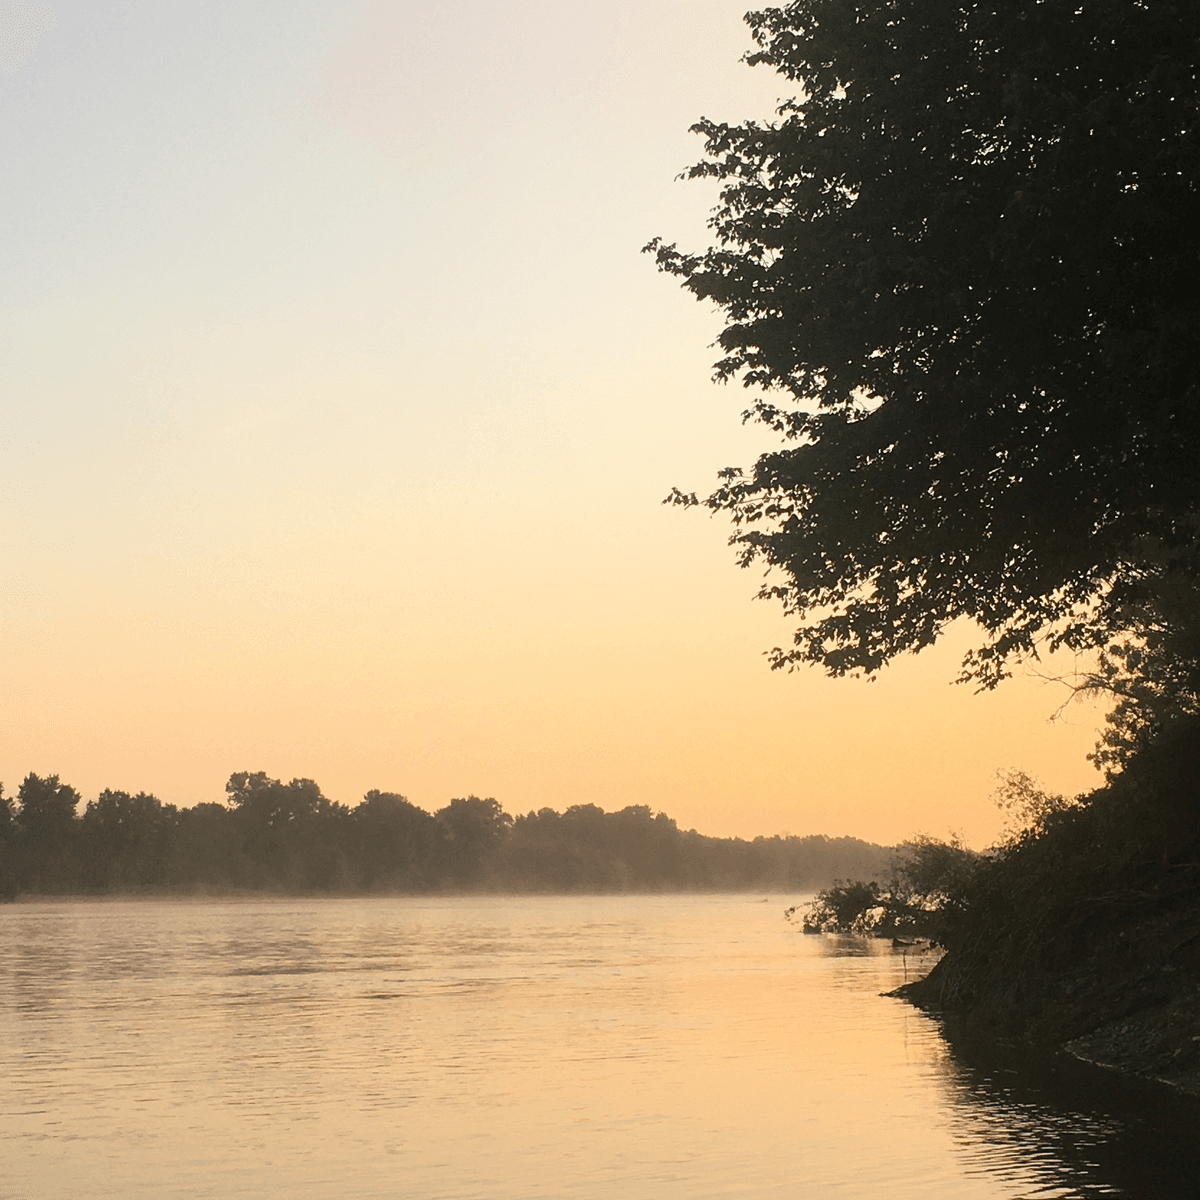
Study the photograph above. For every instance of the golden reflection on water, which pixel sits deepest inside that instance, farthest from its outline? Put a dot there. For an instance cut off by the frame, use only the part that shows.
(482, 1047)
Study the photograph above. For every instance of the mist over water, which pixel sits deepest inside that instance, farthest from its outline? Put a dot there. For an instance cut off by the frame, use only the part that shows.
(633, 1046)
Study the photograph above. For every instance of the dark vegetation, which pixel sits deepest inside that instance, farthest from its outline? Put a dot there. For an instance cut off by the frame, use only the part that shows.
(962, 268)
(1081, 928)
(1085, 930)
(923, 899)
(289, 838)
(961, 271)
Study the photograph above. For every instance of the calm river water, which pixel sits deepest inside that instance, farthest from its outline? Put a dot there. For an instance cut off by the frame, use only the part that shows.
(618, 1047)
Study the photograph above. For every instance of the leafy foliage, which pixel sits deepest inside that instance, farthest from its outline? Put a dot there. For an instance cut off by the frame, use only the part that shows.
(285, 831)
(126, 840)
(962, 267)
(46, 822)
(290, 838)
(470, 830)
(1152, 676)
(1029, 809)
(1081, 923)
(925, 897)
(847, 907)
(1090, 918)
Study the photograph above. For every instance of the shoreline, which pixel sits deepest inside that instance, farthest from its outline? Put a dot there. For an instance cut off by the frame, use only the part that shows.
(1135, 1027)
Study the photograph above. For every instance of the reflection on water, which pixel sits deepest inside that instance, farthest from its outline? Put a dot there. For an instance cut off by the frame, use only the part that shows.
(548, 1047)
(1087, 1132)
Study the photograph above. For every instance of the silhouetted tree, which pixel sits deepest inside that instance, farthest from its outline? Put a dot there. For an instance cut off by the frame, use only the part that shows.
(289, 837)
(564, 852)
(393, 842)
(588, 849)
(208, 850)
(927, 896)
(648, 843)
(47, 825)
(8, 847)
(470, 832)
(126, 841)
(292, 833)
(963, 265)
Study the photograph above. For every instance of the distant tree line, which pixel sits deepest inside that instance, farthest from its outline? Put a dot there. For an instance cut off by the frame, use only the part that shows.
(289, 838)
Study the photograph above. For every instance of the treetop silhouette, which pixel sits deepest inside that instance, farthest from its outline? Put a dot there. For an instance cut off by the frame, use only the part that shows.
(963, 266)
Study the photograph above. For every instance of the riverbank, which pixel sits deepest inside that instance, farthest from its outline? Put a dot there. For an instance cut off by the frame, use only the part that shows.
(1119, 988)
(1087, 936)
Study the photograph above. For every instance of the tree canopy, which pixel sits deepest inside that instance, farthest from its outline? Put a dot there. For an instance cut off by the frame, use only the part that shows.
(963, 268)
(290, 838)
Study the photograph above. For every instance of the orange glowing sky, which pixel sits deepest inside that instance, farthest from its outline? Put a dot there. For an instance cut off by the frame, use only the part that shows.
(338, 406)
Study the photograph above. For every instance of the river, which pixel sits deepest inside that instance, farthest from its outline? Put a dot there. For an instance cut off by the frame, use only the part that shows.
(576, 1048)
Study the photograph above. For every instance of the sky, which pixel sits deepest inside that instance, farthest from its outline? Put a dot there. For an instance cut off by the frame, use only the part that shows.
(338, 405)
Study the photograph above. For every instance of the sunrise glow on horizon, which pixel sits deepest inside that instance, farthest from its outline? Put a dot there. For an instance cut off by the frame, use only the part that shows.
(339, 408)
